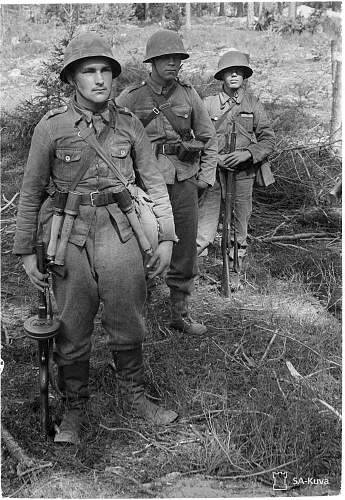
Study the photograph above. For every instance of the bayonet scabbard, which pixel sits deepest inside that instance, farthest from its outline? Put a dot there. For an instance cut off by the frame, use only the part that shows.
(60, 199)
(71, 211)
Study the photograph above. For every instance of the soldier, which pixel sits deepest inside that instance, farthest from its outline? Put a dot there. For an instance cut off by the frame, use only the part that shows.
(103, 262)
(184, 141)
(255, 140)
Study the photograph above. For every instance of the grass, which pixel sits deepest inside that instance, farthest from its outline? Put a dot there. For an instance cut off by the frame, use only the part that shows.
(242, 413)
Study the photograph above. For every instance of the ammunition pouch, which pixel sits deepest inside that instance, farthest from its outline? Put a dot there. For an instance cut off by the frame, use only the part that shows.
(190, 150)
(186, 151)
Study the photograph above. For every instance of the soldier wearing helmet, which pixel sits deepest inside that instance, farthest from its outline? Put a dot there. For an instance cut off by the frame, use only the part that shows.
(184, 141)
(255, 140)
(103, 262)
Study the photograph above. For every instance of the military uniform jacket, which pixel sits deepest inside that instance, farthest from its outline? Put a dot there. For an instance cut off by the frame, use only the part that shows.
(253, 130)
(186, 104)
(56, 154)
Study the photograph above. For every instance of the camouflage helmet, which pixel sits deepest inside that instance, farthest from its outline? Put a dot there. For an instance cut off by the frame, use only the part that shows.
(86, 45)
(231, 59)
(164, 42)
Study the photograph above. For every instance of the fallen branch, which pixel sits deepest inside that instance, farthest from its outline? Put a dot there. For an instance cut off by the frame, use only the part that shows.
(9, 203)
(268, 348)
(297, 376)
(253, 473)
(125, 429)
(301, 343)
(299, 236)
(25, 463)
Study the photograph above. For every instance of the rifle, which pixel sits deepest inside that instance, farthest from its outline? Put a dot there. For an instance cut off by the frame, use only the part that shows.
(230, 194)
(43, 327)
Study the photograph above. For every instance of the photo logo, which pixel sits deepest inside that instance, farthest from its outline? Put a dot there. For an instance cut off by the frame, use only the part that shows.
(279, 481)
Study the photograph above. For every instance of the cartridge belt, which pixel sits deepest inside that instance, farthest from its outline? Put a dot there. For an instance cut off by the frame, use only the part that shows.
(98, 198)
(167, 149)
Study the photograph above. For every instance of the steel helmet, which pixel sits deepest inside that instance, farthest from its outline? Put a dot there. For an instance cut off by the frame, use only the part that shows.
(85, 45)
(231, 59)
(164, 42)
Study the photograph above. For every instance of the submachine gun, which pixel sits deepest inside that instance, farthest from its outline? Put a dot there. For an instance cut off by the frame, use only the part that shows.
(43, 327)
(230, 194)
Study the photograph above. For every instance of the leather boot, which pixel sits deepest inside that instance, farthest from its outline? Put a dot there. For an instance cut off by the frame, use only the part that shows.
(180, 316)
(130, 372)
(73, 381)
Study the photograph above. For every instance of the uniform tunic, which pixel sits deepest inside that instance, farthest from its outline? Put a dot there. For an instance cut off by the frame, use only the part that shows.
(103, 261)
(179, 175)
(253, 133)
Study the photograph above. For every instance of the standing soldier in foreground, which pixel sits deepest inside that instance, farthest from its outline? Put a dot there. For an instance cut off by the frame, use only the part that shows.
(255, 140)
(184, 141)
(103, 261)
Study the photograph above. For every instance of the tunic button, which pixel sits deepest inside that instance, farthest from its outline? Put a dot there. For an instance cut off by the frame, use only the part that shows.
(123, 152)
(67, 158)
(186, 116)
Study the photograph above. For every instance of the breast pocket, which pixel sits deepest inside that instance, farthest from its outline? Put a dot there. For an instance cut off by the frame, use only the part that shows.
(183, 116)
(66, 164)
(121, 157)
(246, 120)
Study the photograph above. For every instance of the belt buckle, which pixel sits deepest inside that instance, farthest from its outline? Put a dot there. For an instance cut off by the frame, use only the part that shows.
(163, 149)
(92, 195)
(156, 111)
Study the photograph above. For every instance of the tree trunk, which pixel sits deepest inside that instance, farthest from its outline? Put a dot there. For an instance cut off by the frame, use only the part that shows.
(221, 9)
(260, 11)
(250, 15)
(239, 9)
(188, 17)
(292, 10)
(335, 132)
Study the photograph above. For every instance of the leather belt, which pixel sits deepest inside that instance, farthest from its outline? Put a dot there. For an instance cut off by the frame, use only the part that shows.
(168, 149)
(98, 199)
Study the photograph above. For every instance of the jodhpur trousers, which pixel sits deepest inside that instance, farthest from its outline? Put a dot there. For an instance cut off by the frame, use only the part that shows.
(209, 208)
(105, 271)
(183, 266)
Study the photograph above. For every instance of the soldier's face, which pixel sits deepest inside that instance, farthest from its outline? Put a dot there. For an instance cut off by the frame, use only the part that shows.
(233, 77)
(167, 67)
(92, 79)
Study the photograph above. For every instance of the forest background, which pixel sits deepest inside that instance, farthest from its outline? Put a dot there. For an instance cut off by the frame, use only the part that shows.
(261, 393)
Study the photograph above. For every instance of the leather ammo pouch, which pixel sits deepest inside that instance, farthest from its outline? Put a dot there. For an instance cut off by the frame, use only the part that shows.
(190, 150)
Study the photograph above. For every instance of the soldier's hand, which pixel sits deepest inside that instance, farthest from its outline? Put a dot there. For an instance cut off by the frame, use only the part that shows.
(160, 260)
(36, 278)
(232, 160)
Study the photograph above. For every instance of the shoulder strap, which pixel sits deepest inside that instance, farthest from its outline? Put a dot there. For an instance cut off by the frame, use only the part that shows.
(163, 105)
(88, 135)
(87, 158)
(224, 115)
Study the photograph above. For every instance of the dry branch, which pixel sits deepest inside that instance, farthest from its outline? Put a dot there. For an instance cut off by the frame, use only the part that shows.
(297, 376)
(298, 236)
(9, 203)
(25, 463)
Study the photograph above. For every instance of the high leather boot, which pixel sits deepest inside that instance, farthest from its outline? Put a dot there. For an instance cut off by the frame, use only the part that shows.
(130, 372)
(180, 316)
(73, 381)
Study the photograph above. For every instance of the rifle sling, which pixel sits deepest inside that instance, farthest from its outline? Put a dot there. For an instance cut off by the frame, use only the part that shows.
(88, 135)
(162, 104)
(87, 158)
